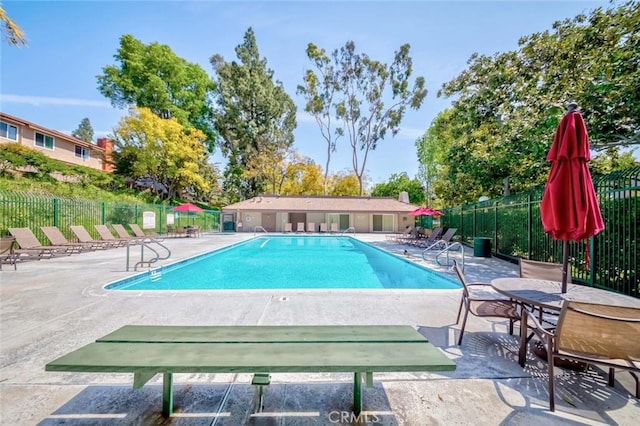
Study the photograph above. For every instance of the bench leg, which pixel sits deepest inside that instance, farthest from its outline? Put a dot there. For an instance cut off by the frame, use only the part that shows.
(167, 394)
(357, 393)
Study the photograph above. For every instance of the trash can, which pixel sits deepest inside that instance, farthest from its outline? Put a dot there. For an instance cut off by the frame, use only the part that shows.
(482, 247)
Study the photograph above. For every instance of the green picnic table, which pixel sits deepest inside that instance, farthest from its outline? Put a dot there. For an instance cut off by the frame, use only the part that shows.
(146, 350)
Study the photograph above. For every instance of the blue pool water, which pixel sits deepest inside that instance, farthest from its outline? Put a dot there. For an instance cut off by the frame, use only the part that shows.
(291, 262)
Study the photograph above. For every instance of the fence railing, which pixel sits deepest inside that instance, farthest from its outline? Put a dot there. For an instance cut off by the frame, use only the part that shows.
(610, 259)
(31, 210)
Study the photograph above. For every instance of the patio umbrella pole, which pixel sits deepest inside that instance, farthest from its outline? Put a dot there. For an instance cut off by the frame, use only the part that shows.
(565, 265)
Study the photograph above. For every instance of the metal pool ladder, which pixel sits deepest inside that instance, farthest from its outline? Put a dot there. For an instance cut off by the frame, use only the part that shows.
(445, 251)
(349, 229)
(259, 228)
(147, 243)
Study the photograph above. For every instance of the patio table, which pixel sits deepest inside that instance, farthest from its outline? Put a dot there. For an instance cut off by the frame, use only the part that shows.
(545, 294)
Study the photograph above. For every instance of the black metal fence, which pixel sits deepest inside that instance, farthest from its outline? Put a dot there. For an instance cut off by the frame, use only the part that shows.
(609, 260)
(30, 210)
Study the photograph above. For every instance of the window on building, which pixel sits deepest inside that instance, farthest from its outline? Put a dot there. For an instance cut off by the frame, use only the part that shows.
(82, 152)
(342, 219)
(44, 141)
(383, 223)
(8, 131)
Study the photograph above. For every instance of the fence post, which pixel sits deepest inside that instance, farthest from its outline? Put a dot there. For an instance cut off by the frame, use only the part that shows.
(495, 227)
(56, 212)
(103, 213)
(475, 225)
(529, 226)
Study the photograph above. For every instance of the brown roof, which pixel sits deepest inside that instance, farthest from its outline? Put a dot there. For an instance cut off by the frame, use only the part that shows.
(321, 204)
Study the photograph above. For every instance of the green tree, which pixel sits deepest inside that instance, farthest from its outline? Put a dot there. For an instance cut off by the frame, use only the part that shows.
(84, 131)
(152, 76)
(362, 85)
(431, 148)
(319, 91)
(508, 106)
(344, 184)
(397, 183)
(161, 151)
(255, 117)
(304, 177)
(11, 31)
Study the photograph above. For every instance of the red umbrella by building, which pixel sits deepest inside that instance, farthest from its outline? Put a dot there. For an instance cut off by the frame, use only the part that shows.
(432, 212)
(569, 208)
(418, 212)
(425, 211)
(188, 208)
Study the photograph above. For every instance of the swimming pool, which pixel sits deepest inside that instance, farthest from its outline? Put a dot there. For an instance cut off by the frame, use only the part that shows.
(291, 262)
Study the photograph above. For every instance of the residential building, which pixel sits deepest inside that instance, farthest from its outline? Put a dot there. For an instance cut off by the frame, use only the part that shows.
(55, 144)
(363, 214)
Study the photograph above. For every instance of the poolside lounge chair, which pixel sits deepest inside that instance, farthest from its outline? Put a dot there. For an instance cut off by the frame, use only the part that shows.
(106, 235)
(7, 251)
(311, 227)
(604, 335)
(334, 227)
(423, 240)
(84, 237)
(57, 238)
(408, 233)
(300, 227)
(441, 243)
(123, 234)
(481, 300)
(28, 241)
(323, 227)
(138, 232)
(287, 227)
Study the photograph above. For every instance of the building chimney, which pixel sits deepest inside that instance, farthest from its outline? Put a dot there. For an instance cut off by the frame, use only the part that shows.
(404, 197)
(107, 145)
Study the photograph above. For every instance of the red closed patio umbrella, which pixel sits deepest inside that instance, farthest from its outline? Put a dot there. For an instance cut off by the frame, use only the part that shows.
(569, 208)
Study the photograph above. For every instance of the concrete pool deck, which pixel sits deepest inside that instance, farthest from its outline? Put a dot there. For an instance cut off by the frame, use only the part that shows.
(51, 307)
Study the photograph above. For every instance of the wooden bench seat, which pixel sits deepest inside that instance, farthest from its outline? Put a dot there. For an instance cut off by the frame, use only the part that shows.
(149, 350)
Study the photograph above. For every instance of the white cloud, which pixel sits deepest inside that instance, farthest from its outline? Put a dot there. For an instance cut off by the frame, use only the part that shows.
(44, 100)
(410, 133)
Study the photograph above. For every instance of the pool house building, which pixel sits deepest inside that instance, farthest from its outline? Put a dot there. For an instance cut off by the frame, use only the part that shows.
(273, 213)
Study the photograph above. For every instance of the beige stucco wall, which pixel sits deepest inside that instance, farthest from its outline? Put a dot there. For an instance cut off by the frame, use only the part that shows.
(403, 221)
(63, 150)
(361, 221)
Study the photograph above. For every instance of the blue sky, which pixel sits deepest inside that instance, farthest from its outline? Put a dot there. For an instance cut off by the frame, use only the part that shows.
(52, 81)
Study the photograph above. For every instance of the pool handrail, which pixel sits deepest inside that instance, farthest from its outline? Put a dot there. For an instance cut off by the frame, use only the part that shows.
(146, 242)
(259, 228)
(351, 228)
(455, 245)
